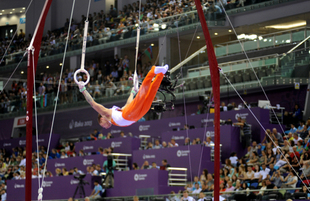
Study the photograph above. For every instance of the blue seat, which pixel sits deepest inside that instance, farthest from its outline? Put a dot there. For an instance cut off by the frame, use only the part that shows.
(254, 185)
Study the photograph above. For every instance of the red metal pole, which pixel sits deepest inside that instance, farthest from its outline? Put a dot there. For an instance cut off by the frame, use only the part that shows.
(29, 127)
(215, 79)
(35, 44)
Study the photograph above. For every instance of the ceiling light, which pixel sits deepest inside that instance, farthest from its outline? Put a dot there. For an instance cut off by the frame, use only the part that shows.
(47, 67)
(198, 37)
(60, 64)
(288, 25)
(163, 26)
(22, 72)
(2, 10)
(260, 37)
(155, 25)
(152, 44)
(216, 34)
(23, 8)
(229, 30)
(250, 37)
(10, 12)
(21, 11)
(0, 13)
(13, 9)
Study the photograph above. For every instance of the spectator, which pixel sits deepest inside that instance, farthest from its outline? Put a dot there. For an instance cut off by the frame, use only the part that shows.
(245, 132)
(291, 180)
(149, 145)
(186, 197)
(197, 189)
(296, 138)
(164, 144)
(146, 165)
(173, 143)
(154, 166)
(135, 166)
(97, 190)
(164, 165)
(157, 145)
(209, 142)
(277, 178)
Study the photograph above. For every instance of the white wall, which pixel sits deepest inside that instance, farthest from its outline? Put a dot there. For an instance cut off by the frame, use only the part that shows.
(12, 20)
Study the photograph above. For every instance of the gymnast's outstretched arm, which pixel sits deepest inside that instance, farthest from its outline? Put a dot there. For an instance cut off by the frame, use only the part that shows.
(130, 98)
(99, 108)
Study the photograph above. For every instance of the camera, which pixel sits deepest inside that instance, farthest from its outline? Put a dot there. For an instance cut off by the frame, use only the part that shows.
(80, 176)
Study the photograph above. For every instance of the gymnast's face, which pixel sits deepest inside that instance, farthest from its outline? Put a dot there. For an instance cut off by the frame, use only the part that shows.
(105, 123)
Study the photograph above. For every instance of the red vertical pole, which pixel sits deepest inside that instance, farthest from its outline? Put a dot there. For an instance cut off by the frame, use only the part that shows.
(29, 127)
(35, 44)
(215, 79)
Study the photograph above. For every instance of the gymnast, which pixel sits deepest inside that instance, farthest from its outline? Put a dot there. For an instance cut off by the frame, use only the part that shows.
(135, 108)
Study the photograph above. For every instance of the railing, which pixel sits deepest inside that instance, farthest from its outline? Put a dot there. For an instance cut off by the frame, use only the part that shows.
(283, 193)
(177, 176)
(121, 161)
(270, 70)
(263, 41)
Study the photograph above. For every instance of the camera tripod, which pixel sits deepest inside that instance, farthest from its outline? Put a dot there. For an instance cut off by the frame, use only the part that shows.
(80, 188)
(111, 177)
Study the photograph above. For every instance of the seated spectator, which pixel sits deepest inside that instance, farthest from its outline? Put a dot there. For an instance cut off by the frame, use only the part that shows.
(164, 165)
(157, 145)
(58, 172)
(197, 189)
(186, 197)
(202, 196)
(135, 166)
(305, 190)
(264, 172)
(97, 190)
(172, 143)
(290, 180)
(253, 159)
(301, 127)
(277, 135)
(203, 176)
(164, 144)
(233, 158)
(149, 145)
(99, 169)
(277, 179)
(64, 172)
(63, 155)
(299, 147)
(209, 182)
(209, 142)
(146, 165)
(269, 158)
(292, 130)
(256, 175)
(154, 166)
(262, 158)
(296, 138)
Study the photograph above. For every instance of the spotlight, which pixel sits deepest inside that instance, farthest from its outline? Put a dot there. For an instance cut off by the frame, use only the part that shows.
(10, 12)
(198, 37)
(0, 13)
(47, 67)
(60, 64)
(24, 8)
(229, 30)
(163, 26)
(216, 34)
(22, 72)
(152, 44)
(13, 9)
(20, 11)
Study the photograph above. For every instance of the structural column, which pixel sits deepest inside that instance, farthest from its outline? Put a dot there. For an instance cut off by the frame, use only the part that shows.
(75, 62)
(164, 50)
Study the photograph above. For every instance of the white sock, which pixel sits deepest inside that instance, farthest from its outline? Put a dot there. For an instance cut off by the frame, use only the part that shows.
(161, 69)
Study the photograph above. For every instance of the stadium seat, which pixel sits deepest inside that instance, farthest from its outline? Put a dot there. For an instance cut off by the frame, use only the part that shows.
(200, 84)
(207, 82)
(254, 185)
(300, 196)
